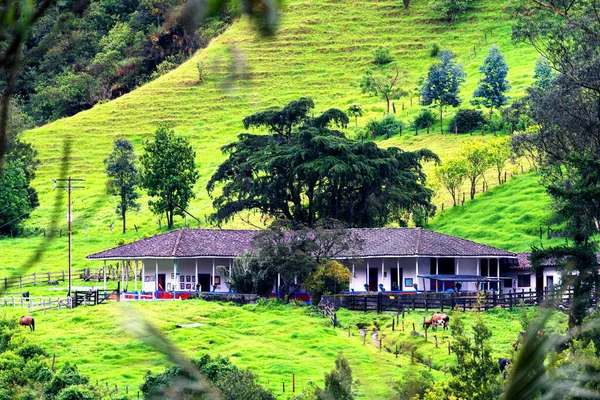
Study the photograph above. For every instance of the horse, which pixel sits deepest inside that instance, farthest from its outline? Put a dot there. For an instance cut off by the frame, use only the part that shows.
(437, 319)
(28, 321)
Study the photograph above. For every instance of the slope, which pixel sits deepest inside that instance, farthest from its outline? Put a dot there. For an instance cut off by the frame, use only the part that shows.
(322, 50)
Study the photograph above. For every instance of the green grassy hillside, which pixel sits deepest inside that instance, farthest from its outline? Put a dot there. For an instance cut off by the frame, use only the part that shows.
(322, 50)
(507, 216)
(274, 341)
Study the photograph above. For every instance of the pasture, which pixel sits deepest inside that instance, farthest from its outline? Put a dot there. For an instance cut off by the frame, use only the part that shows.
(273, 340)
(322, 50)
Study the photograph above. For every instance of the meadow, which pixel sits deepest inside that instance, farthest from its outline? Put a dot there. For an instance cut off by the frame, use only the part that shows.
(273, 340)
(322, 50)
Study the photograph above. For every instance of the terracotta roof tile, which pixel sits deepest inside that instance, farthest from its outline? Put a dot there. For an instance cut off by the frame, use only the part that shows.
(377, 242)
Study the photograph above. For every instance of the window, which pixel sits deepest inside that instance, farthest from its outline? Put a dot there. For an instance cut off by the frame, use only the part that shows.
(508, 283)
(524, 280)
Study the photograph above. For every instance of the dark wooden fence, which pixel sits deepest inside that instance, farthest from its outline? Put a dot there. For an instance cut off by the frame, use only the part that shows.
(381, 302)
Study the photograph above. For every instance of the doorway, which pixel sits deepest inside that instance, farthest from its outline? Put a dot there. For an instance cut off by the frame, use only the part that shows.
(204, 281)
(396, 280)
(161, 282)
(373, 272)
(549, 282)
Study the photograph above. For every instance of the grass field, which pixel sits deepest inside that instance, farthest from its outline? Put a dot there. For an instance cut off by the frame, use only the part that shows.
(272, 340)
(322, 49)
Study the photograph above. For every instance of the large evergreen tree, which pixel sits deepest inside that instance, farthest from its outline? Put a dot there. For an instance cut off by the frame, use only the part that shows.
(169, 172)
(493, 85)
(442, 85)
(304, 170)
(123, 177)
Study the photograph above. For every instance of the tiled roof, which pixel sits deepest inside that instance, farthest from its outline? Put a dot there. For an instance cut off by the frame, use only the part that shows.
(525, 264)
(376, 242)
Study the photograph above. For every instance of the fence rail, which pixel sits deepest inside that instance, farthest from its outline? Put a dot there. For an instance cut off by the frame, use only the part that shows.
(430, 300)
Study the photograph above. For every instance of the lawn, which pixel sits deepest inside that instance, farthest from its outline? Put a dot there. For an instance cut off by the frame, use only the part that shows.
(321, 50)
(274, 341)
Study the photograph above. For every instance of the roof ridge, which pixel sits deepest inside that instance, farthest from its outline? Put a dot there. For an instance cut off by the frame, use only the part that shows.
(176, 243)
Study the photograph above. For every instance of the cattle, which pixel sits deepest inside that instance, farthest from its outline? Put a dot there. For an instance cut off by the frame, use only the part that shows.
(437, 319)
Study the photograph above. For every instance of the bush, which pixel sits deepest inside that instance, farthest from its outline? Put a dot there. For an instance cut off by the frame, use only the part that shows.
(382, 56)
(387, 126)
(435, 50)
(466, 120)
(424, 119)
(452, 9)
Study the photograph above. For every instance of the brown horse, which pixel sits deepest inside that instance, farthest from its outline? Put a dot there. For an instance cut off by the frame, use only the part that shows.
(437, 319)
(28, 321)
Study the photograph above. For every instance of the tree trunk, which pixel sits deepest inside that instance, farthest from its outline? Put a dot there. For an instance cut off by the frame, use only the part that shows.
(356, 122)
(441, 126)
(473, 183)
(123, 210)
(499, 176)
(387, 99)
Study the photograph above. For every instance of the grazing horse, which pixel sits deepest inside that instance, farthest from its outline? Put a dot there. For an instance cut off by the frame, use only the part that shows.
(28, 321)
(437, 319)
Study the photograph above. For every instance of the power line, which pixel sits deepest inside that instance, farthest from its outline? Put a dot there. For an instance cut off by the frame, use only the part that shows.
(14, 219)
(18, 202)
(69, 187)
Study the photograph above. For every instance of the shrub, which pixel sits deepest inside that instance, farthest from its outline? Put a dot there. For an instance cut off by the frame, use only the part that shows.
(330, 277)
(424, 119)
(466, 120)
(435, 50)
(452, 9)
(382, 56)
(387, 126)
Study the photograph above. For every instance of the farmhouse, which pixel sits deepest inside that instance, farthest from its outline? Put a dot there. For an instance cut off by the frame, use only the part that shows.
(389, 259)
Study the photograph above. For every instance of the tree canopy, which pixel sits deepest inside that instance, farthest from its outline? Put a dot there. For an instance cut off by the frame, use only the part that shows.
(168, 172)
(304, 170)
(442, 84)
(493, 85)
(123, 177)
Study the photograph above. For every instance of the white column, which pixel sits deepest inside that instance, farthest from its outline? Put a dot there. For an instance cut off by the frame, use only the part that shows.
(416, 269)
(457, 266)
(135, 276)
(352, 278)
(143, 277)
(367, 282)
(383, 272)
(400, 283)
(105, 275)
(278, 282)
(213, 274)
(478, 266)
(156, 278)
(173, 284)
(498, 275)
(196, 278)
(437, 272)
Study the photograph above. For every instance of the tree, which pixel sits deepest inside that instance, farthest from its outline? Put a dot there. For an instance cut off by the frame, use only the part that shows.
(475, 157)
(330, 277)
(490, 92)
(17, 198)
(452, 9)
(355, 110)
(442, 84)
(451, 175)
(566, 141)
(168, 172)
(383, 84)
(475, 370)
(304, 171)
(123, 177)
(338, 383)
(293, 252)
(382, 56)
(424, 119)
(247, 276)
(542, 74)
(499, 153)
(387, 126)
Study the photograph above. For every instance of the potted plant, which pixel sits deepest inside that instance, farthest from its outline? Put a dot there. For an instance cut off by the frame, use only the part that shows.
(366, 287)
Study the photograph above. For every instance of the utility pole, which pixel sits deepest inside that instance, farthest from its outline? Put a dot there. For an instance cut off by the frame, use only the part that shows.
(69, 187)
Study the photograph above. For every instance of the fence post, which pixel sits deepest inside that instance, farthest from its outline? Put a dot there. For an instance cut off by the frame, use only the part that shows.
(21, 301)
(13, 301)
(5, 283)
(63, 276)
(29, 308)
(34, 280)
(44, 306)
(48, 276)
(448, 347)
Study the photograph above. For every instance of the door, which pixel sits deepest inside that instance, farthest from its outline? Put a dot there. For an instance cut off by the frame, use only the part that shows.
(446, 266)
(396, 280)
(373, 273)
(204, 281)
(549, 282)
(161, 282)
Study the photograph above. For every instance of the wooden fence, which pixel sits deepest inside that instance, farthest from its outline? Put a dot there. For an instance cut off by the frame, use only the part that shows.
(444, 301)
(113, 273)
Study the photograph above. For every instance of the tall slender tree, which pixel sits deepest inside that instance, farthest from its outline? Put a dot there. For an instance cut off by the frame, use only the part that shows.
(123, 177)
(442, 84)
(493, 85)
(355, 110)
(169, 172)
